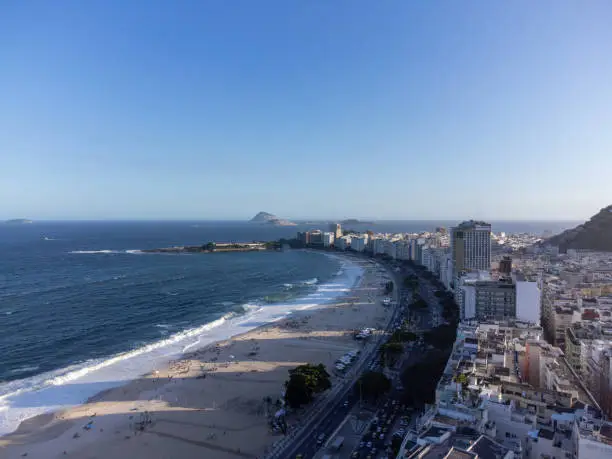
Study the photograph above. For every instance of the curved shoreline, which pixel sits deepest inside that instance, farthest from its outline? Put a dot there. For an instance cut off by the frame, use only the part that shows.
(172, 393)
(203, 336)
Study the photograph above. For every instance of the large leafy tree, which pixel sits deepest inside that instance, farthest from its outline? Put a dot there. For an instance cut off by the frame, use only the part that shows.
(304, 382)
(373, 384)
(391, 351)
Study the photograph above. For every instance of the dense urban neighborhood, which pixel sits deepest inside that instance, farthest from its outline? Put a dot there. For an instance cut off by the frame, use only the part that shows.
(500, 346)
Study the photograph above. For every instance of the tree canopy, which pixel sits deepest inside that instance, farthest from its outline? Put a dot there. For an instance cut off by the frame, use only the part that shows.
(304, 382)
(391, 351)
(411, 281)
(373, 384)
(402, 336)
(418, 303)
(420, 380)
(441, 337)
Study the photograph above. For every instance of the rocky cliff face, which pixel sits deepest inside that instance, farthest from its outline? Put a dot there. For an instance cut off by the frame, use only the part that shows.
(596, 234)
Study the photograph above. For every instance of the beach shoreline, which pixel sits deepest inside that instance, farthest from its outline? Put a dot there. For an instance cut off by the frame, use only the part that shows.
(210, 401)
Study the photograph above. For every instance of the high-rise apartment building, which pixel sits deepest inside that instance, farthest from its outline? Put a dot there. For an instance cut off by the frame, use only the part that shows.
(336, 228)
(471, 246)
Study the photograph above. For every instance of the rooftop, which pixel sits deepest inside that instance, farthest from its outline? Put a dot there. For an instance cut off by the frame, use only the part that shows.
(487, 448)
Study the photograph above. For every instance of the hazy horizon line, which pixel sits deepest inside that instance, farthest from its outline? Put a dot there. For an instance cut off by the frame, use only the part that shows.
(296, 220)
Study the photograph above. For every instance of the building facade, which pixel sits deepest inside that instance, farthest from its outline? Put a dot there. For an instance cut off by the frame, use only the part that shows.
(471, 246)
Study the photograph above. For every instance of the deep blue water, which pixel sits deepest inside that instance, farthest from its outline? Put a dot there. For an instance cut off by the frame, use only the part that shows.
(58, 307)
(75, 294)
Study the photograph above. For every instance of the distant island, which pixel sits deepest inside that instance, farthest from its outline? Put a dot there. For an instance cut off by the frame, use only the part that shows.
(271, 219)
(354, 221)
(18, 221)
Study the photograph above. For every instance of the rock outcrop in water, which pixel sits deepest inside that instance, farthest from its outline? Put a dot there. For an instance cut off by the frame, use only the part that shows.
(265, 217)
(595, 234)
(19, 221)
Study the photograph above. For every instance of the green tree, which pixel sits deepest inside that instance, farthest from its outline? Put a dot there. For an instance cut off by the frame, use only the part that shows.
(304, 382)
(418, 303)
(420, 380)
(297, 391)
(391, 351)
(411, 282)
(373, 384)
(402, 336)
(442, 337)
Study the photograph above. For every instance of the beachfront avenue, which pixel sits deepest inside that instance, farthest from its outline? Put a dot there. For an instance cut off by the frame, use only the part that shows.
(331, 411)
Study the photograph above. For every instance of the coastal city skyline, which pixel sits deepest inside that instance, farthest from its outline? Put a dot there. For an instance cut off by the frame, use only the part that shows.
(305, 229)
(448, 342)
(211, 110)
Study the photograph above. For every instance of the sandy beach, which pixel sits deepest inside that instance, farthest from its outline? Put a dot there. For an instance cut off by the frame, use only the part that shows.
(213, 402)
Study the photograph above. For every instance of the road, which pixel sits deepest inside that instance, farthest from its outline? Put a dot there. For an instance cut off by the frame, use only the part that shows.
(427, 318)
(342, 403)
(305, 442)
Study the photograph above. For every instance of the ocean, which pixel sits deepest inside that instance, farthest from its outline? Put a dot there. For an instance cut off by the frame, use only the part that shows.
(82, 310)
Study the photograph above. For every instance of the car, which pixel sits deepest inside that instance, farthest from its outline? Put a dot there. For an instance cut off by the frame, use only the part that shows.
(361, 444)
(385, 429)
(381, 436)
(355, 455)
(379, 429)
(369, 444)
(345, 404)
(373, 452)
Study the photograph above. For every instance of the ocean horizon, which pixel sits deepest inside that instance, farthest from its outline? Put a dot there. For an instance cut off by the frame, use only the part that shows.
(82, 310)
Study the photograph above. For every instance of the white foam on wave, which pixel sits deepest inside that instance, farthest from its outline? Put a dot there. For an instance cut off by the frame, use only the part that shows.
(312, 281)
(71, 386)
(24, 369)
(226, 303)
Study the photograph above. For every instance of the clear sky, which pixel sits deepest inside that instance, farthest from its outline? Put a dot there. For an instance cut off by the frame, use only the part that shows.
(332, 109)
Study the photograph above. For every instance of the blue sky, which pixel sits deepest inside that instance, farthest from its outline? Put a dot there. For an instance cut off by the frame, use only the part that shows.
(390, 109)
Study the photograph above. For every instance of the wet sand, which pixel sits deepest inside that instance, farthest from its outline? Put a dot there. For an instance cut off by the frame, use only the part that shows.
(211, 403)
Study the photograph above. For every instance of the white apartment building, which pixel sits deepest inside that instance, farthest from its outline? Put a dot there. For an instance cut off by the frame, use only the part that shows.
(359, 244)
(389, 247)
(528, 300)
(402, 250)
(328, 239)
(378, 246)
(343, 243)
